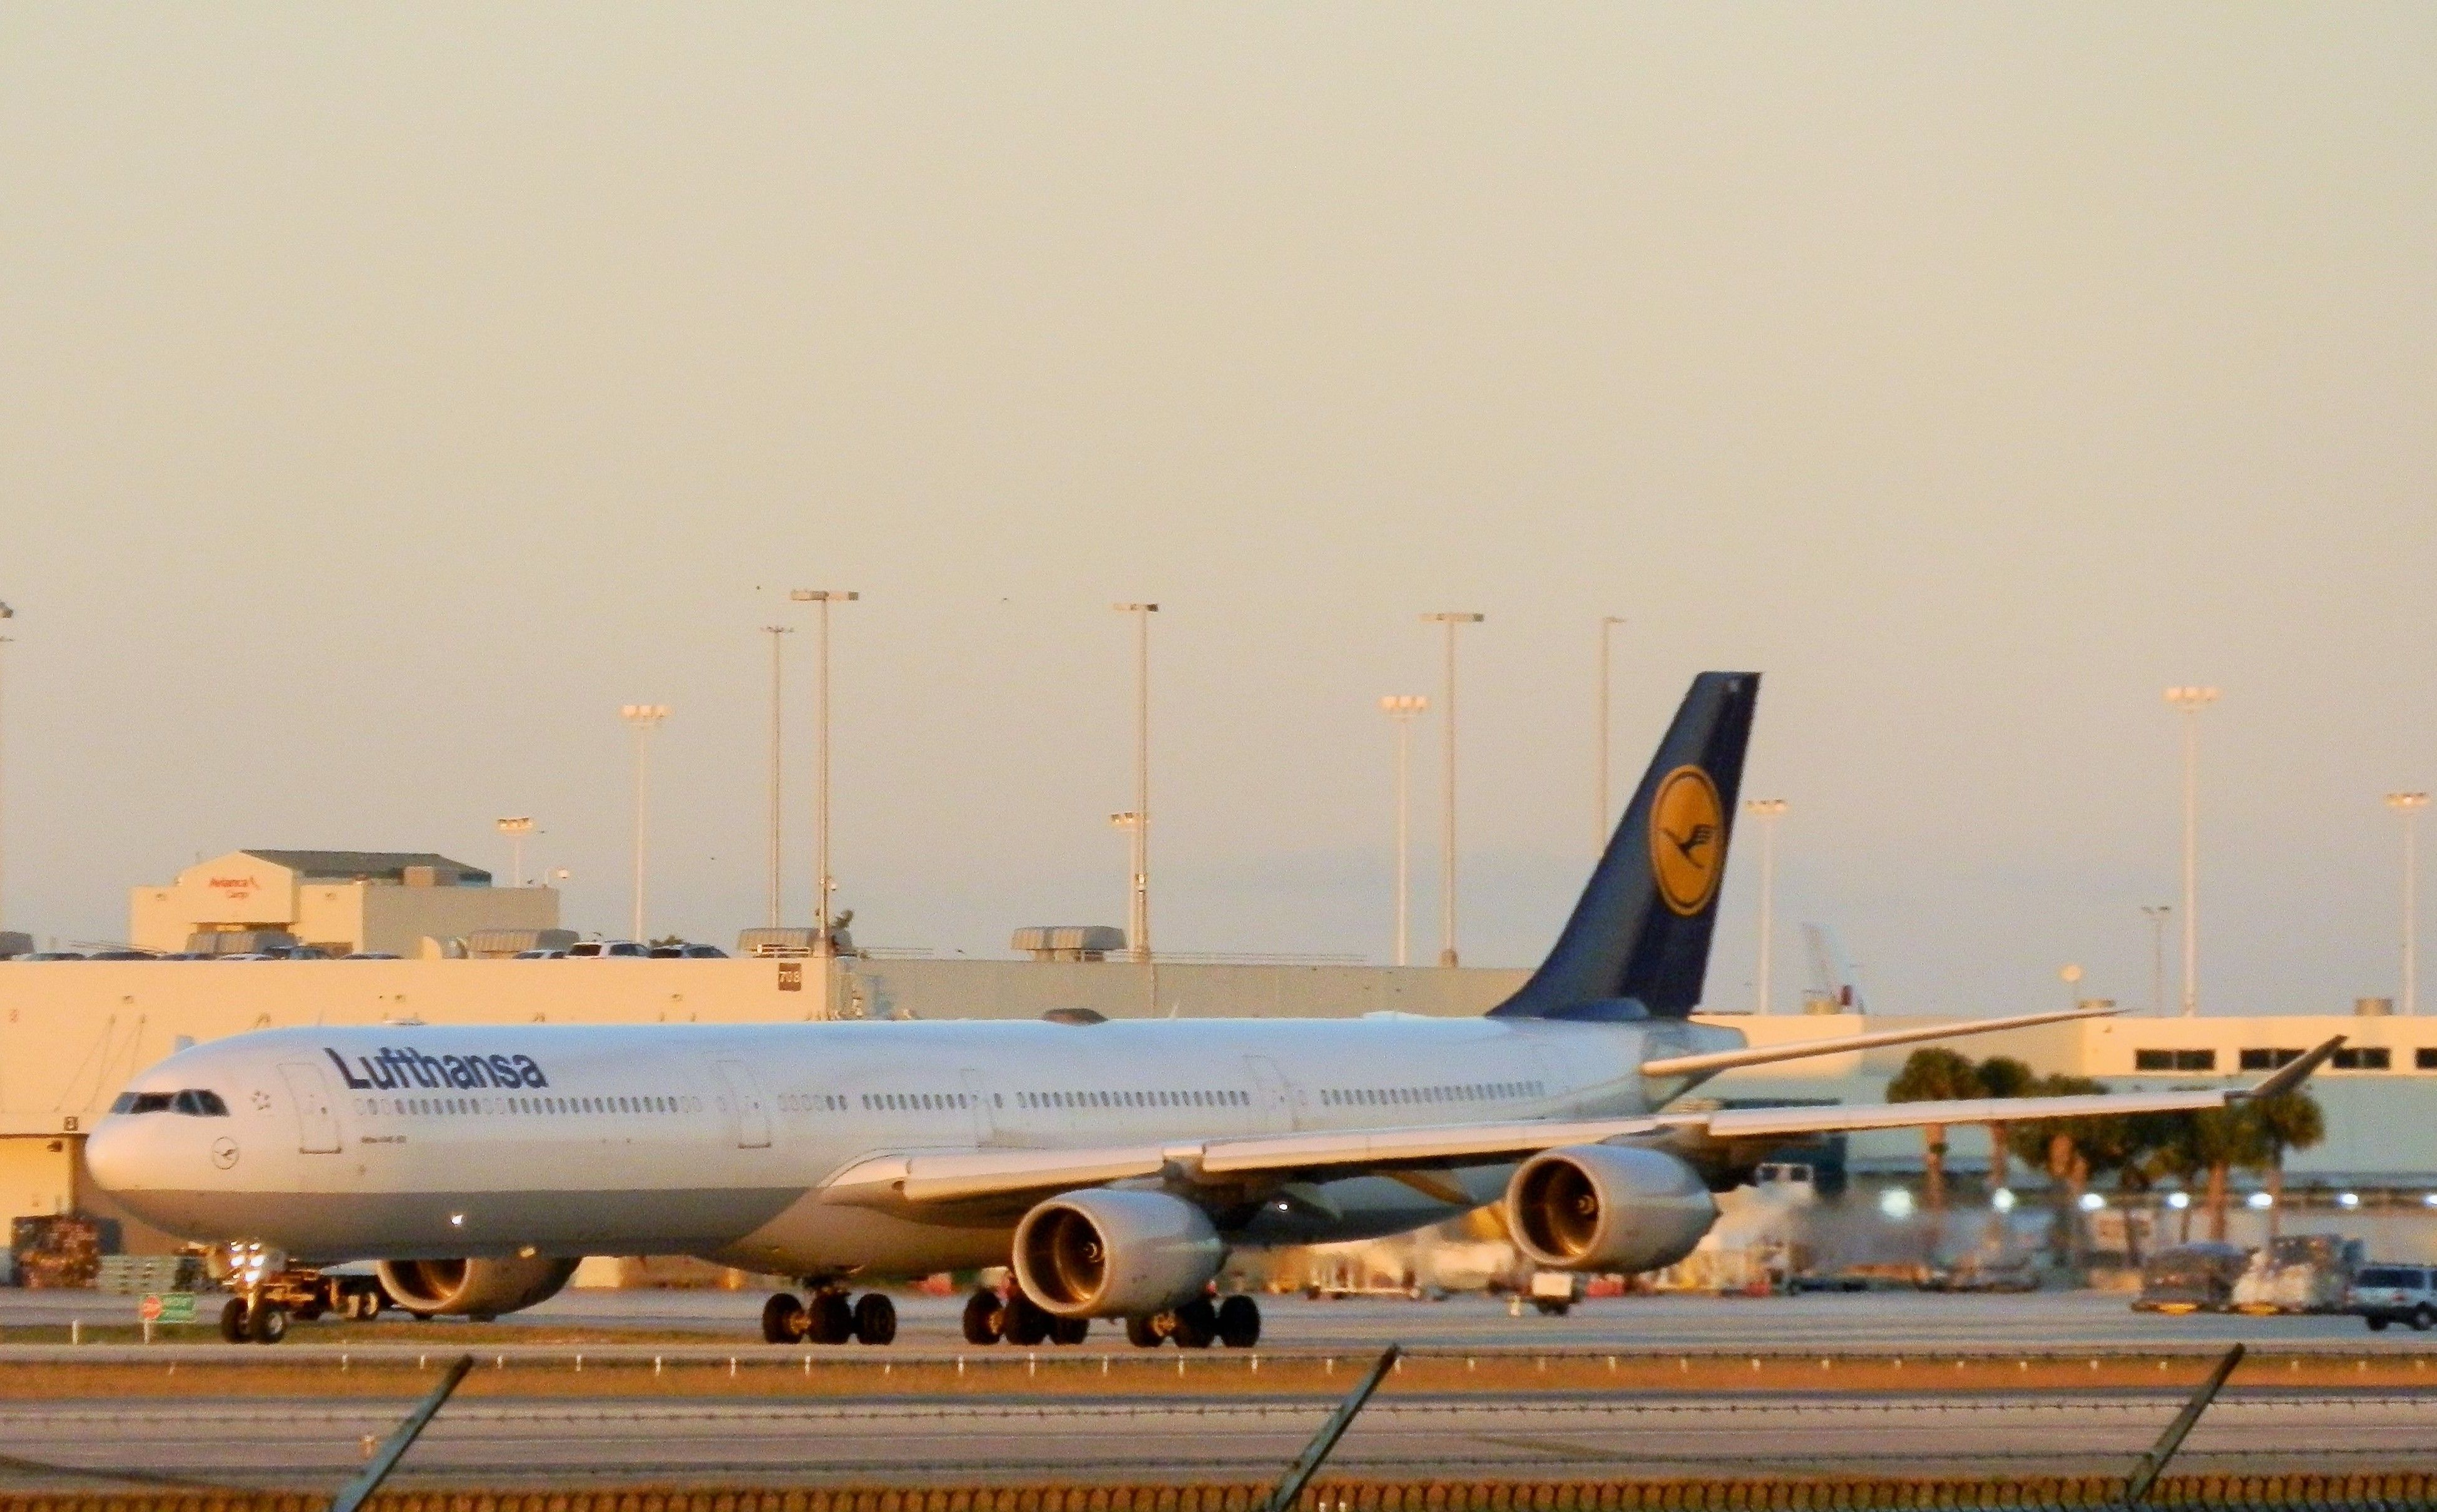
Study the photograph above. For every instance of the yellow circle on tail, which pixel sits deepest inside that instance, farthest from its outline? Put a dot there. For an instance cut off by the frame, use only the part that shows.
(1688, 840)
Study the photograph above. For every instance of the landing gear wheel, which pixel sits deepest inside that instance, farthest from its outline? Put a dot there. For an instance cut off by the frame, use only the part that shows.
(1239, 1322)
(232, 1320)
(783, 1319)
(875, 1319)
(984, 1317)
(832, 1320)
(1197, 1325)
(1070, 1331)
(1025, 1323)
(1143, 1333)
(266, 1322)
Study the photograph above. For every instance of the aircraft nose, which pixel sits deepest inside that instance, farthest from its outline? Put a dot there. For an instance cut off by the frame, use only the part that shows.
(115, 1155)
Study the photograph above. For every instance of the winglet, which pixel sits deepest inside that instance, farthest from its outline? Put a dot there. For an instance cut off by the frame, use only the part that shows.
(2293, 1073)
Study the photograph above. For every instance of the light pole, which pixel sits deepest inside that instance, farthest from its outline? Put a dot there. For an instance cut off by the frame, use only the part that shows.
(1605, 818)
(645, 718)
(2409, 805)
(1449, 620)
(515, 830)
(1766, 810)
(2157, 913)
(1138, 894)
(822, 884)
(1402, 707)
(777, 634)
(2070, 975)
(2191, 701)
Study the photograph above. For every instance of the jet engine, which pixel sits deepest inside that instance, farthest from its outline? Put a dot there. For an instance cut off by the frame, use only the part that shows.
(1607, 1207)
(1116, 1254)
(482, 1288)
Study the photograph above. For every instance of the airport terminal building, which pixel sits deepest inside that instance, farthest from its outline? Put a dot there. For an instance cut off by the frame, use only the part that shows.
(337, 902)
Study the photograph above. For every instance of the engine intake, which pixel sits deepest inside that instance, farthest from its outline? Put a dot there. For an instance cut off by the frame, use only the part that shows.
(482, 1288)
(1116, 1254)
(1606, 1207)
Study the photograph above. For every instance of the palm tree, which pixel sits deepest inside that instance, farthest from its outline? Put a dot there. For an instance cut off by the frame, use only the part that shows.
(2288, 1120)
(2219, 1140)
(2065, 1145)
(2001, 1076)
(1934, 1075)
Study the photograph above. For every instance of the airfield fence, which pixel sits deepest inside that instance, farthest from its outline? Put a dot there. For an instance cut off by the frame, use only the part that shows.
(2413, 1491)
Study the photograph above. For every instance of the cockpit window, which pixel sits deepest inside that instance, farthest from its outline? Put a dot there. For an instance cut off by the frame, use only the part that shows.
(194, 1101)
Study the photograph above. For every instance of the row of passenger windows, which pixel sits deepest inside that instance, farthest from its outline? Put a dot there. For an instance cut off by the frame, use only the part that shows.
(1208, 1097)
(2350, 1058)
(916, 1102)
(1461, 1092)
(812, 1102)
(449, 1107)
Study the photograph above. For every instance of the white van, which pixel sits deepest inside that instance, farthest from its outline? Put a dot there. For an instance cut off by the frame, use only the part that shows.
(2394, 1293)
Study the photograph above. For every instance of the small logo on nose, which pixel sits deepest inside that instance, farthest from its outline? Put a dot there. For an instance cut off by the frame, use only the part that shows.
(224, 1152)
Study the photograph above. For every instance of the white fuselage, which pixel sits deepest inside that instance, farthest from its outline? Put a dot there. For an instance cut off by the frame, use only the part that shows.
(422, 1141)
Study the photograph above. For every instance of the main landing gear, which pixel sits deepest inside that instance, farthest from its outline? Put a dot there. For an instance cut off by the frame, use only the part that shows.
(1235, 1322)
(1018, 1320)
(258, 1321)
(827, 1317)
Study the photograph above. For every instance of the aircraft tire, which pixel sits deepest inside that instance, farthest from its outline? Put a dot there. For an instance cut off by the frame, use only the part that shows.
(266, 1322)
(875, 1319)
(1026, 1323)
(1143, 1333)
(1197, 1325)
(783, 1319)
(1239, 1322)
(831, 1320)
(1070, 1331)
(232, 1320)
(985, 1315)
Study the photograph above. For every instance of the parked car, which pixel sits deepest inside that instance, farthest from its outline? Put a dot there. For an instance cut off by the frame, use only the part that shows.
(688, 953)
(539, 955)
(371, 955)
(2394, 1293)
(122, 955)
(604, 949)
(50, 955)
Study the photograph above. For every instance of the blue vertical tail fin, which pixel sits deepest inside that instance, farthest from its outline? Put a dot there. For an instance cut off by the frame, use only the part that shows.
(1638, 941)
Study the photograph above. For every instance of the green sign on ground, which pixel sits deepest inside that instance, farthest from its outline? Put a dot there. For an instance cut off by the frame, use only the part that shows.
(170, 1306)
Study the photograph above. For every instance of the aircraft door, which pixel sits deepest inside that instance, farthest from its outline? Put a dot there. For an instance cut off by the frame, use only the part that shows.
(748, 1114)
(985, 1124)
(317, 1120)
(1272, 1097)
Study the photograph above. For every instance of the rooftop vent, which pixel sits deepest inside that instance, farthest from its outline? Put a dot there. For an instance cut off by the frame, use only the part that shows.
(1070, 942)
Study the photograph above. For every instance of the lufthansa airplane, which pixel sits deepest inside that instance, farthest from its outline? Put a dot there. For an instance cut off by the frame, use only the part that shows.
(1113, 1165)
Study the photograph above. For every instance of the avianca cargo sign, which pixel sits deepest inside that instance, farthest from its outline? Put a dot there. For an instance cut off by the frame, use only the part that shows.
(412, 1067)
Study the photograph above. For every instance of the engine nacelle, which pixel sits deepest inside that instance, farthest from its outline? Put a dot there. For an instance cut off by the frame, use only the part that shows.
(482, 1288)
(1116, 1254)
(1607, 1207)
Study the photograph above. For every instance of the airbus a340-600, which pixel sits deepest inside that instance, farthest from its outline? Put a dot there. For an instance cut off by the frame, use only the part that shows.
(1110, 1166)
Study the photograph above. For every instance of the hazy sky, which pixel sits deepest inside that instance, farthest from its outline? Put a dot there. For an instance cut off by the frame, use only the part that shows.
(387, 393)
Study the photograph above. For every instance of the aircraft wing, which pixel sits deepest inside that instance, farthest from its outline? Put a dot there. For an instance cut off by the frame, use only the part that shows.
(967, 1177)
